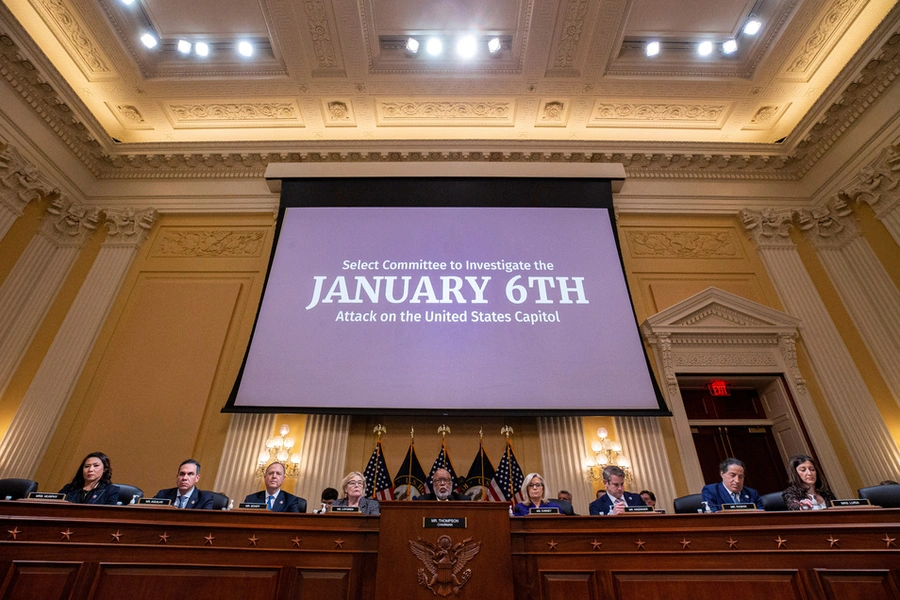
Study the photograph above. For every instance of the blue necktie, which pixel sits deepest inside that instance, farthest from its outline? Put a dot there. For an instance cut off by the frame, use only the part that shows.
(271, 498)
(179, 502)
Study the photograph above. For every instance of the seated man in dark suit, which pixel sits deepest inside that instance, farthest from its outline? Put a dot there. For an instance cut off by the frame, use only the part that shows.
(442, 483)
(614, 501)
(276, 499)
(185, 493)
(731, 489)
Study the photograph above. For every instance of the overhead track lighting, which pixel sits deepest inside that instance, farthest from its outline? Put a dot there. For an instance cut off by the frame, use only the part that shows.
(149, 40)
(466, 47)
(184, 46)
(245, 49)
(652, 48)
(729, 47)
(752, 26)
(412, 45)
(494, 45)
(705, 48)
(201, 48)
(434, 46)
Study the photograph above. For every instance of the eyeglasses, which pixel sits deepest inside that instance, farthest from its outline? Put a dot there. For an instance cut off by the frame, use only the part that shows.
(356, 483)
(443, 480)
(535, 485)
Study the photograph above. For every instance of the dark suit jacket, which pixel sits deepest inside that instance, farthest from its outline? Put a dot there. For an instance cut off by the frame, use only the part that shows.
(102, 494)
(453, 496)
(198, 499)
(601, 505)
(716, 495)
(283, 503)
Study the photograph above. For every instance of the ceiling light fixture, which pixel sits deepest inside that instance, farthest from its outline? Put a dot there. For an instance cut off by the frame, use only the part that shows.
(245, 48)
(127, 2)
(434, 46)
(149, 40)
(752, 26)
(494, 45)
(466, 47)
(201, 48)
(184, 46)
(729, 47)
(412, 45)
(705, 48)
(652, 48)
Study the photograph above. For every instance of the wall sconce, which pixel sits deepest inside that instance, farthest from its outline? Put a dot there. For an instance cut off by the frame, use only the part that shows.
(278, 449)
(607, 452)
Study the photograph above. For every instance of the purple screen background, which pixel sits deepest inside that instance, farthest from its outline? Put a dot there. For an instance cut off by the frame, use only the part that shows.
(592, 360)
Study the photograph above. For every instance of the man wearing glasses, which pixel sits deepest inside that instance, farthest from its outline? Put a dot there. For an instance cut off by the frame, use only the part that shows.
(442, 484)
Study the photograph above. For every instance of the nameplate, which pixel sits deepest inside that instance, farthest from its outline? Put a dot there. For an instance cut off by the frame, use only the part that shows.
(638, 509)
(660, 511)
(155, 501)
(850, 503)
(444, 522)
(544, 510)
(253, 505)
(46, 496)
(345, 509)
(739, 506)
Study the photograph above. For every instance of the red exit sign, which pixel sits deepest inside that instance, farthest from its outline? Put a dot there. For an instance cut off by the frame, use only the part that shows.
(718, 388)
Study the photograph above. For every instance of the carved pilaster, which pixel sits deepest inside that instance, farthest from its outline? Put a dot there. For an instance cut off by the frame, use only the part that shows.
(830, 225)
(69, 224)
(127, 228)
(22, 448)
(869, 442)
(769, 228)
(20, 183)
(878, 185)
(564, 456)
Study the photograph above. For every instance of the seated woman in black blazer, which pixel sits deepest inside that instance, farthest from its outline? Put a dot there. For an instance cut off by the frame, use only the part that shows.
(92, 483)
(807, 490)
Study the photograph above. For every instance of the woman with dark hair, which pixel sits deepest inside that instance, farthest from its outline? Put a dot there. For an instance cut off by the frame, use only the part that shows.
(92, 483)
(807, 491)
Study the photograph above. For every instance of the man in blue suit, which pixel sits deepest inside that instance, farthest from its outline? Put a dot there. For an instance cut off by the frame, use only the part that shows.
(276, 499)
(185, 493)
(614, 501)
(731, 490)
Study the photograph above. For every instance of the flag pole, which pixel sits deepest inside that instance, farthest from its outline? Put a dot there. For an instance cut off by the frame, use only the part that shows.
(412, 445)
(481, 458)
(507, 431)
(378, 430)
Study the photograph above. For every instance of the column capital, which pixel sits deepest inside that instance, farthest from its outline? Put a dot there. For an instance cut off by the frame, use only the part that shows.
(127, 227)
(20, 181)
(830, 225)
(878, 183)
(69, 224)
(769, 228)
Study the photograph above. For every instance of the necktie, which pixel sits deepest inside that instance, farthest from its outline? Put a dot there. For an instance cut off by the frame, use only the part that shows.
(271, 498)
(179, 502)
(735, 497)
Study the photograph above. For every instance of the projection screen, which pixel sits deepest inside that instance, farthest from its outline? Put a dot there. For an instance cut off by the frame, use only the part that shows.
(446, 294)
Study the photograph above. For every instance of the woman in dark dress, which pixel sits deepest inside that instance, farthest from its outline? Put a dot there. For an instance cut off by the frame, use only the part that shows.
(807, 491)
(92, 483)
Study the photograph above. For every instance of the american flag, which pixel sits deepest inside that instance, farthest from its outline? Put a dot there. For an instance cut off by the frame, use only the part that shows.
(509, 477)
(478, 481)
(378, 481)
(441, 462)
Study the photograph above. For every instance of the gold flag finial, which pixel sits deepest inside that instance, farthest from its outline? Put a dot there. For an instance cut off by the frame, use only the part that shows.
(507, 431)
(443, 430)
(379, 430)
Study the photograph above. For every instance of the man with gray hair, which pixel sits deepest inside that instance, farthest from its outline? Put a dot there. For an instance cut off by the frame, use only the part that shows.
(731, 490)
(185, 494)
(614, 501)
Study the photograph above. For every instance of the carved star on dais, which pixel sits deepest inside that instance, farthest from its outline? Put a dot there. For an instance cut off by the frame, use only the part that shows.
(209, 539)
(552, 544)
(595, 545)
(832, 541)
(782, 542)
(296, 541)
(116, 536)
(888, 540)
(163, 538)
(685, 544)
(66, 535)
(339, 544)
(13, 533)
(732, 543)
(253, 540)
(640, 544)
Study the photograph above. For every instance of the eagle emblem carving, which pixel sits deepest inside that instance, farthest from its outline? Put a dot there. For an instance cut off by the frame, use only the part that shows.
(443, 567)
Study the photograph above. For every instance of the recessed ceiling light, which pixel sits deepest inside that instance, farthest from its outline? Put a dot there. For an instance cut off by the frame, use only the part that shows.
(705, 48)
(752, 27)
(149, 40)
(652, 48)
(201, 48)
(127, 2)
(412, 44)
(466, 47)
(434, 46)
(729, 47)
(245, 48)
(184, 46)
(494, 45)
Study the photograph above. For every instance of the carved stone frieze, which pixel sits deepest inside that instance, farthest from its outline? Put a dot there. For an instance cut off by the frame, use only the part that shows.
(200, 243)
(338, 113)
(89, 58)
(320, 31)
(195, 114)
(718, 359)
(827, 29)
(127, 227)
(69, 224)
(683, 244)
(553, 113)
(738, 319)
(605, 112)
(830, 225)
(20, 181)
(477, 112)
(769, 228)
(570, 34)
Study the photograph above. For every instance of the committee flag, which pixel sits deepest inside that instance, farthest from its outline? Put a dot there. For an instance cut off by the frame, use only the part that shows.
(509, 478)
(378, 480)
(441, 462)
(478, 481)
(410, 479)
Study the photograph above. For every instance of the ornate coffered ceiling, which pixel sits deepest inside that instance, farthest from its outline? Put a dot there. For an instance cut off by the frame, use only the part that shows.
(328, 83)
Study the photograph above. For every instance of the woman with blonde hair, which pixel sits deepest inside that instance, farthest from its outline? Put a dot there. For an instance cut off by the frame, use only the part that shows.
(535, 493)
(354, 487)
